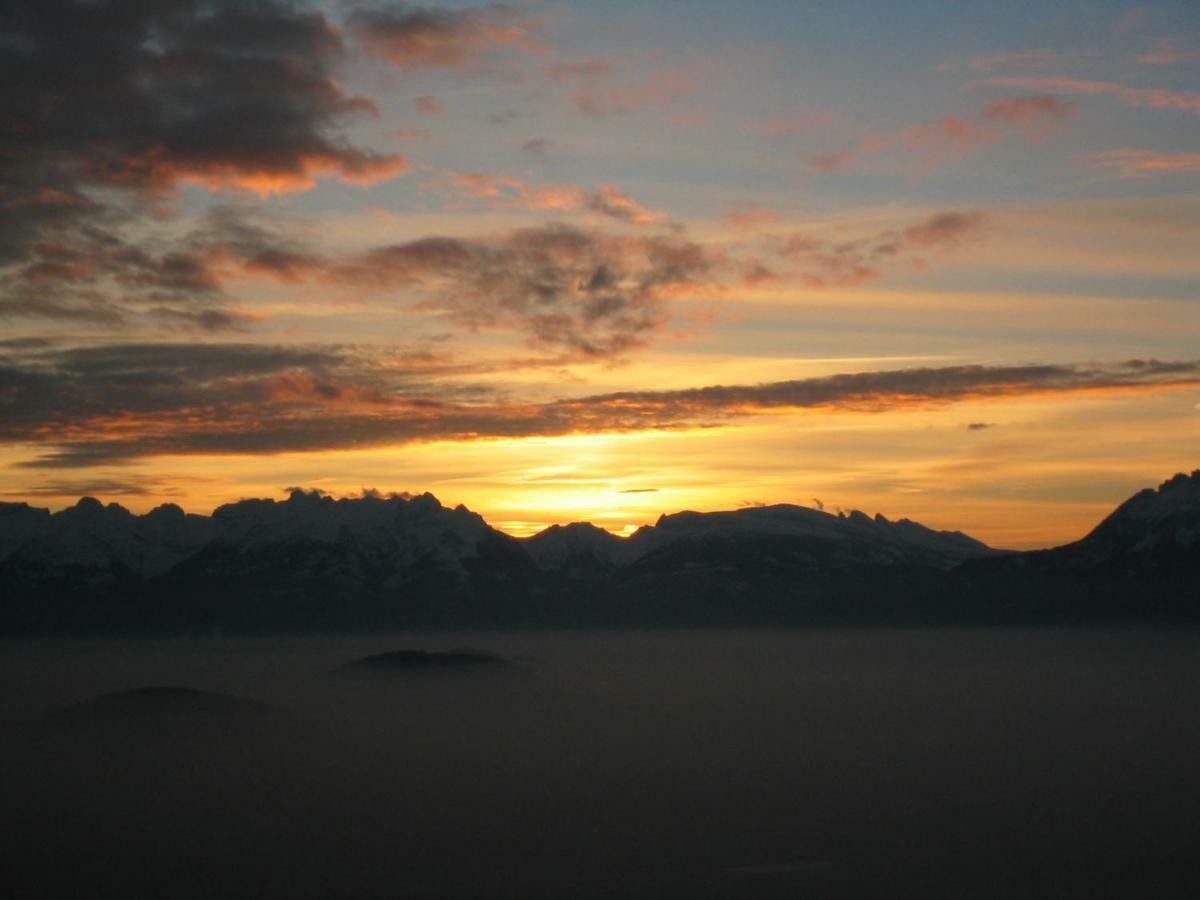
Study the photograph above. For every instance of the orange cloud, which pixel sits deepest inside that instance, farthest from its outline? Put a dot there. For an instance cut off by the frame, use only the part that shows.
(506, 192)
(104, 405)
(751, 217)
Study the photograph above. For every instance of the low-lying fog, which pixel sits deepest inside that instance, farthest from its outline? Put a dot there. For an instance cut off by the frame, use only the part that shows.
(818, 763)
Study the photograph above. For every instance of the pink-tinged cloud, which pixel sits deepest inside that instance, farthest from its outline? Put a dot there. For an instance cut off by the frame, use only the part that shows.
(420, 37)
(1130, 163)
(949, 138)
(1167, 53)
(1039, 115)
(411, 134)
(1129, 20)
(1038, 57)
(429, 105)
(658, 91)
(1159, 98)
(751, 217)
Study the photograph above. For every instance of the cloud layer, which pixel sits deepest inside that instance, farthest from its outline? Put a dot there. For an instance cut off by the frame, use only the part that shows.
(111, 404)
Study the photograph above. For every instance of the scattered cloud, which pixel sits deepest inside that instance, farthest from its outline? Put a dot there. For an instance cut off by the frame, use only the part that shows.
(950, 138)
(1129, 20)
(412, 37)
(429, 105)
(661, 91)
(507, 192)
(585, 293)
(1038, 57)
(930, 145)
(1040, 115)
(1131, 163)
(751, 217)
(538, 146)
(823, 262)
(1166, 52)
(1159, 98)
(411, 134)
(783, 126)
(576, 69)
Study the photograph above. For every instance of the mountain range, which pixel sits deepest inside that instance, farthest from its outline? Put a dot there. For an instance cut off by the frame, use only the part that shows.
(312, 561)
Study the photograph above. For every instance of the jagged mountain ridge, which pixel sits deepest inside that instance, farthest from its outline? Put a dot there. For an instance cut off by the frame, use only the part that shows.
(312, 560)
(1153, 534)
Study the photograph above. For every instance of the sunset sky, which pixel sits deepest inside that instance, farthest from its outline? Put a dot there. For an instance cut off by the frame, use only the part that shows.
(599, 261)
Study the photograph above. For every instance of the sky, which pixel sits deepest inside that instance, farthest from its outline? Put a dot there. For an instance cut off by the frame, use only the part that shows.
(601, 261)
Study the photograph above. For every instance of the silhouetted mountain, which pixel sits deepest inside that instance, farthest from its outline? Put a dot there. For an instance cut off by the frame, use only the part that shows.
(1144, 558)
(311, 561)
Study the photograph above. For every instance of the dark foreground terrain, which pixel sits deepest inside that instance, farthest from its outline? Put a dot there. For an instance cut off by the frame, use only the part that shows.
(819, 763)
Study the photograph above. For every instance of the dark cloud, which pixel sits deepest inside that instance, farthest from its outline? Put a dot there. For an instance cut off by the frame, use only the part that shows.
(91, 487)
(880, 391)
(846, 262)
(419, 36)
(107, 104)
(146, 94)
(244, 237)
(112, 404)
(979, 426)
(537, 146)
(583, 293)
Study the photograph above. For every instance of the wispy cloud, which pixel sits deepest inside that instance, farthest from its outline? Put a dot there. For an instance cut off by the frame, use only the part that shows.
(430, 37)
(1039, 115)
(508, 192)
(1166, 52)
(783, 126)
(106, 405)
(1043, 56)
(1159, 98)
(1132, 163)
(429, 105)
(824, 262)
(930, 145)
(660, 90)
